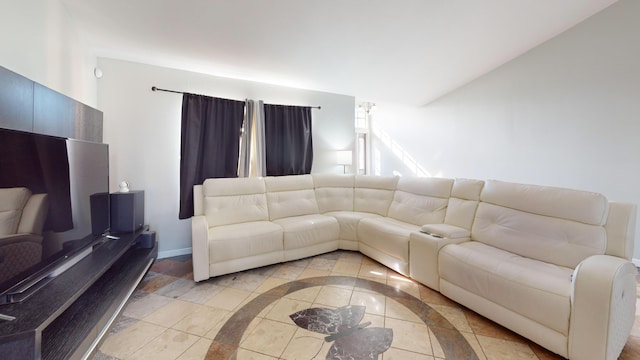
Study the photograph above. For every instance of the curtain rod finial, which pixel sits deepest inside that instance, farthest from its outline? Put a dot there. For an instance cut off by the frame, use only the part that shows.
(153, 88)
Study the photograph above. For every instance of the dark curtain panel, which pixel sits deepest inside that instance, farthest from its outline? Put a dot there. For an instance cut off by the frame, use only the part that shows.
(288, 145)
(210, 143)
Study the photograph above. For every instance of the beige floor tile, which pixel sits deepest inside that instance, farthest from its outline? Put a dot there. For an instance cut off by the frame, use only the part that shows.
(244, 354)
(399, 354)
(436, 349)
(498, 349)
(168, 346)
(343, 267)
(309, 273)
(144, 305)
(246, 300)
(455, 316)
(375, 320)
(252, 326)
(214, 330)
(269, 284)
(228, 299)
(269, 337)
(472, 339)
(201, 293)
(375, 271)
(285, 307)
(266, 310)
(351, 256)
(288, 272)
(322, 264)
(201, 322)
(404, 284)
(306, 344)
(374, 303)
(308, 294)
(409, 336)
(197, 351)
(129, 340)
(173, 312)
(333, 297)
(396, 310)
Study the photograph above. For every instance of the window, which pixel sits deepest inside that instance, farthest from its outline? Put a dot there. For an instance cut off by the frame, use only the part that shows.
(363, 141)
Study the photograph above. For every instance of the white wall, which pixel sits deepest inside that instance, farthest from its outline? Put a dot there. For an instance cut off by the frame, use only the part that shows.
(565, 114)
(40, 42)
(142, 129)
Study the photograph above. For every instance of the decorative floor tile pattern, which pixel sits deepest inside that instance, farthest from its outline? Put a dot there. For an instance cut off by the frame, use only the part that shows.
(249, 314)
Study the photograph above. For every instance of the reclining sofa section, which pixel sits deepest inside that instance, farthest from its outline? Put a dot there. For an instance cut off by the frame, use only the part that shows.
(551, 264)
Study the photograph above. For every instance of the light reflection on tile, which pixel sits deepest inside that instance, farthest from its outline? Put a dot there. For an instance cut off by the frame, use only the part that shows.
(375, 303)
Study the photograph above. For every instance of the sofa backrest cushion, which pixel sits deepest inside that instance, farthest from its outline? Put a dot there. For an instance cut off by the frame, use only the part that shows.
(463, 203)
(334, 192)
(621, 229)
(291, 195)
(34, 214)
(12, 201)
(558, 226)
(420, 200)
(373, 194)
(234, 200)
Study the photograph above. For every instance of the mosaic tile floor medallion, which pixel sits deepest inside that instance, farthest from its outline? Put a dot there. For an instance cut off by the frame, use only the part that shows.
(352, 339)
(343, 329)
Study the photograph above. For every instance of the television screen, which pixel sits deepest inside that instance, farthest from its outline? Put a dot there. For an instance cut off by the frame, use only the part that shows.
(54, 205)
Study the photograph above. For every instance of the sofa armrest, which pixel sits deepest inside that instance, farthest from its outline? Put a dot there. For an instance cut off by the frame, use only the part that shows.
(603, 302)
(446, 231)
(423, 256)
(200, 247)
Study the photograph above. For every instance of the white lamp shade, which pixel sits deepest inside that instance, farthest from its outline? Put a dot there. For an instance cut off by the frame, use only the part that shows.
(344, 157)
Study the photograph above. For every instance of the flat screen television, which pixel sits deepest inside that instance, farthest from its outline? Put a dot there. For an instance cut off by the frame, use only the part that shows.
(54, 207)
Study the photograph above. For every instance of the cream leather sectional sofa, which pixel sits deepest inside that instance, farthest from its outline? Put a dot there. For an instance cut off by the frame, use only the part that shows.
(551, 264)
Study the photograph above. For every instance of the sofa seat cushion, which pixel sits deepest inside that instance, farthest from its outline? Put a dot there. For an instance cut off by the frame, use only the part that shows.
(12, 201)
(235, 241)
(308, 230)
(387, 235)
(534, 289)
(348, 221)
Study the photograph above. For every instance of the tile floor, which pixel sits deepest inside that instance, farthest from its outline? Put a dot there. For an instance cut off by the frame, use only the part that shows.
(172, 317)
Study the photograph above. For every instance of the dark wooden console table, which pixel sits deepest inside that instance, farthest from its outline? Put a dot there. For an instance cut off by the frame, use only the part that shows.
(68, 317)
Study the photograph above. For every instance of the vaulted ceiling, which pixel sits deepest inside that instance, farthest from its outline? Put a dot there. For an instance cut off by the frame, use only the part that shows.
(405, 51)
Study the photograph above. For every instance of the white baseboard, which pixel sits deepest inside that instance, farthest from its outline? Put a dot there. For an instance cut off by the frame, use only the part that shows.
(171, 253)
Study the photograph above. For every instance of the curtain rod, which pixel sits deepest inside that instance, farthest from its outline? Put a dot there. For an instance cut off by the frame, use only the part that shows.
(154, 88)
